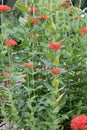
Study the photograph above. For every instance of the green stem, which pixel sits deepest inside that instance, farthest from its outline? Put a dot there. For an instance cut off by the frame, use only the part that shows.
(25, 14)
(71, 3)
(80, 3)
(51, 3)
(33, 7)
(2, 16)
(9, 56)
(33, 48)
(27, 75)
(33, 63)
(28, 84)
(27, 78)
(2, 2)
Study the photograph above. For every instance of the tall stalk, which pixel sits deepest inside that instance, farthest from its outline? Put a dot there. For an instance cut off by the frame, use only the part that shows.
(80, 1)
(33, 47)
(2, 18)
(1, 32)
(51, 8)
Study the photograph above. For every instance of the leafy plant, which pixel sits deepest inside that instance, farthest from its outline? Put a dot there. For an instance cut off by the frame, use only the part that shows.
(43, 65)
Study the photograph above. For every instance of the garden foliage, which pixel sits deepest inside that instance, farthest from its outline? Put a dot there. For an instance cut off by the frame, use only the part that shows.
(43, 65)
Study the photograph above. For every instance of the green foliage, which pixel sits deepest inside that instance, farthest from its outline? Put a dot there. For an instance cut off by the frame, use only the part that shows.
(32, 97)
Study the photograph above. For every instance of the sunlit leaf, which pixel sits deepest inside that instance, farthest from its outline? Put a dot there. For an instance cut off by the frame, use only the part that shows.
(55, 82)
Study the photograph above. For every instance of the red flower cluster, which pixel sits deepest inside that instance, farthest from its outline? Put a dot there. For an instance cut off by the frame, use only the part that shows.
(33, 20)
(25, 78)
(6, 73)
(33, 10)
(55, 71)
(4, 8)
(77, 17)
(65, 4)
(42, 17)
(26, 64)
(79, 122)
(55, 45)
(10, 42)
(83, 31)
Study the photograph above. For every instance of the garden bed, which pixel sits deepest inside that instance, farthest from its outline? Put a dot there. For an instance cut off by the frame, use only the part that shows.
(43, 65)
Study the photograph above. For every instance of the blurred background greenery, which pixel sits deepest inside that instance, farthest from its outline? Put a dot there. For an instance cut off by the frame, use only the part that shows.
(81, 3)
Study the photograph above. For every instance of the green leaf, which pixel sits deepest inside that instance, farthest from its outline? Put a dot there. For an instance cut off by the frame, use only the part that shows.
(50, 55)
(56, 61)
(36, 1)
(53, 26)
(1, 55)
(59, 97)
(22, 8)
(1, 37)
(55, 82)
(25, 42)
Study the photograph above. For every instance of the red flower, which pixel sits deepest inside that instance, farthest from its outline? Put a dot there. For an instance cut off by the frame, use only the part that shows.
(10, 42)
(4, 8)
(79, 122)
(65, 4)
(77, 17)
(26, 64)
(83, 31)
(25, 78)
(55, 45)
(6, 73)
(33, 10)
(42, 17)
(33, 21)
(55, 71)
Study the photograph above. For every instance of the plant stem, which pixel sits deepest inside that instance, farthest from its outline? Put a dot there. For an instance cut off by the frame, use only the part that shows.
(51, 3)
(71, 3)
(25, 14)
(27, 76)
(9, 56)
(80, 3)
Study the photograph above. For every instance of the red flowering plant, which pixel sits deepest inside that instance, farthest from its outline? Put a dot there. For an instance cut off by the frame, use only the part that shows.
(77, 17)
(32, 20)
(83, 31)
(55, 71)
(10, 42)
(4, 8)
(42, 17)
(65, 4)
(33, 10)
(79, 122)
(26, 64)
(43, 65)
(55, 45)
